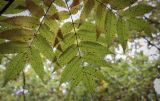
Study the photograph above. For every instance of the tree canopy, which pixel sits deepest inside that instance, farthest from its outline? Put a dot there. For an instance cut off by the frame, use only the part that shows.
(66, 43)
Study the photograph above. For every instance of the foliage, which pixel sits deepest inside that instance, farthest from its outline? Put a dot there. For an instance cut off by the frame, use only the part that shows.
(77, 47)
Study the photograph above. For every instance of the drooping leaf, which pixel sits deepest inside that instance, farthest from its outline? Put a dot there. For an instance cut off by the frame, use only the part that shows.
(100, 19)
(35, 9)
(87, 35)
(14, 67)
(137, 10)
(123, 32)
(71, 69)
(68, 40)
(88, 26)
(96, 60)
(68, 54)
(111, 27)
(60, 3)
(43, 46)
(67, 28)
(94, 72)
(140, 25)
(46, 33)
(12, 47)
(6, 26)
(52, 10)
(22, 21)
(120, 4)
(16, 34)
(61, 15)
(94, 47)
(78, 76)
(88, 5)
(89, 82)
(52, 24)
(36, 63)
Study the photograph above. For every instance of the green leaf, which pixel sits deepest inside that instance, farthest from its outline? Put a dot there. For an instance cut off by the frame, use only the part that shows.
(68, 54)
(138, 10)
(14, 67)
(12, 47)
(68, 40)
(61, 15)
(100, 19)
(46, 33)
(52, 10)
(88, 5)
(37, 64)
(52, 24)
(89, 82)
(43, 46)
(67, 28)
(94, 72)
(87, 35)
(111, 27)
(120, 4)
(35, 9)
(16, 34)
(78, 76)
(123, 32)
(140, 25)
(88, 27)
(22, 21)
(71, 69)
(75, 6)
(6, 26)
(93, 47)
(98, 61)
(60, 3)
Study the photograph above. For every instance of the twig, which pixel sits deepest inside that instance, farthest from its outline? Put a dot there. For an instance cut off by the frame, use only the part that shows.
(24, 85)
(150, 43)
(152, 21)
(41, 22)
(79, 52)
(6, 6)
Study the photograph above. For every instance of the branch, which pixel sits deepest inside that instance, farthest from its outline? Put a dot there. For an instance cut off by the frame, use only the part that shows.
(79, 52)
(152, 44)
(152, 21)
(24, 85)
(6, 6)
(41, 22)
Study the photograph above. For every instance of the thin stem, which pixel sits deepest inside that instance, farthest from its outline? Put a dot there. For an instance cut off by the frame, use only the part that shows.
(6, 6)
(152, 21)
(41, 22)
(150, 43)
(76, 35)
(24, 85)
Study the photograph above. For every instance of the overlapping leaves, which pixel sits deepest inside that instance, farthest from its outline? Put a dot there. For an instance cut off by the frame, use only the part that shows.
(80, 46)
